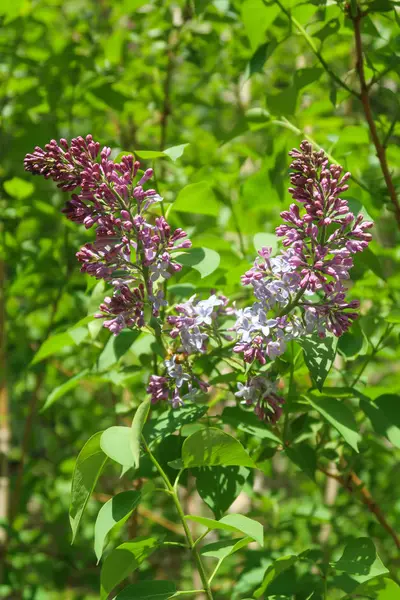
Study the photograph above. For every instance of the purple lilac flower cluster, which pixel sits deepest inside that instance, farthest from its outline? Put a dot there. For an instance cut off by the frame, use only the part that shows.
(304, 285)
(197, 321)
(301, 291)
(130, 253)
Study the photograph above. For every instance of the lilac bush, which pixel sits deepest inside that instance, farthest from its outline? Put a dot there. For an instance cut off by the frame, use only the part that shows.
(299, 292)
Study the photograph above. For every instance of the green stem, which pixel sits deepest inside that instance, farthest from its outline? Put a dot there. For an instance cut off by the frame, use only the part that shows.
(219, 563)
(187, 593)
(188, 534)
(292, 304)
(315, 50)
(375, 350)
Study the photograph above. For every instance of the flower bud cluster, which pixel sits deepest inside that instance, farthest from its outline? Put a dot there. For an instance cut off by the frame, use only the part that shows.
(130, 253)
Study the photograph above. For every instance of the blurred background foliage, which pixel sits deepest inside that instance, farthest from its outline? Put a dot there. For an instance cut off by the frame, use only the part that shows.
(239, 83)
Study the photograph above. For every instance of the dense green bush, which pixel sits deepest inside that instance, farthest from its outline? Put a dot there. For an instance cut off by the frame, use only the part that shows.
(211, 95)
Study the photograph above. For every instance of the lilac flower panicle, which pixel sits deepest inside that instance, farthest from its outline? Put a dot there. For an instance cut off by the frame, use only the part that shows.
(132, 254)
(302, 290)
(197, 321)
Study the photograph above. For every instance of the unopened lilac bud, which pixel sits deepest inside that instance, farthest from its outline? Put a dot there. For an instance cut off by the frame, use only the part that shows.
(148, 174)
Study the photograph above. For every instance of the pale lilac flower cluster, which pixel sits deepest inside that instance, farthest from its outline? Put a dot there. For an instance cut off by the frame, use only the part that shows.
(129, 252)
(197, 321)
(274, 285)
(261, 393)
(178, 384)
(304, 285)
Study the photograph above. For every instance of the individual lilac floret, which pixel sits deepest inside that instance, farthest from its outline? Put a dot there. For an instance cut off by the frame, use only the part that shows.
(261, 393)
(132, 254)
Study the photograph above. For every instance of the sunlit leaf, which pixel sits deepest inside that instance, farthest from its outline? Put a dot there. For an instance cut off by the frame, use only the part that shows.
(125, 559)
(212, 447)
(88, 467)
(115, 511)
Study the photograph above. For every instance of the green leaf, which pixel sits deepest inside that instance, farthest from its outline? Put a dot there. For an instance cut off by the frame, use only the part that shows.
(171, 420)
(394, 316)
(284, 102)
(212, 447)
(156, 589)
(380, 588)
(367, 259)
(197, 198)
(257, 118)
(11, 10)
(257, 17)
(125, 559)
(136, 430)
(360, 561)
(89, 464)
(381, 6)
(232, 522)
(247, 421)
(319, 356)
(116, 347)
(330, 28)
(116, 443)
(149, 154)
(220, 486)
(259, 58)
(338, 415)
(278, 567)
(175, 152)
(225, 548)
(303, 77)
(115, 511)
(204, 260)
(353, 342)
(19, 188)
(305, 457)
(107, 95)
(62, 389)
(52, 345)
(383, 425)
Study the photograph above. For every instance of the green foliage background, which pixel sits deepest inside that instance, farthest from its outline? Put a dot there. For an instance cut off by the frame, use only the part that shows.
(240, 84)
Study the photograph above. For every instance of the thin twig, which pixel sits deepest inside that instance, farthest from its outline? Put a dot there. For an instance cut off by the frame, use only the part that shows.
(365, 101)
(352, 483)
(315, 50)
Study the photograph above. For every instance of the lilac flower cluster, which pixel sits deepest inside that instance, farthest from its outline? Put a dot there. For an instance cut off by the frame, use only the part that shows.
(197, 321)
(178, 385)
(132, 254)
(304, 285)
(261, 393)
